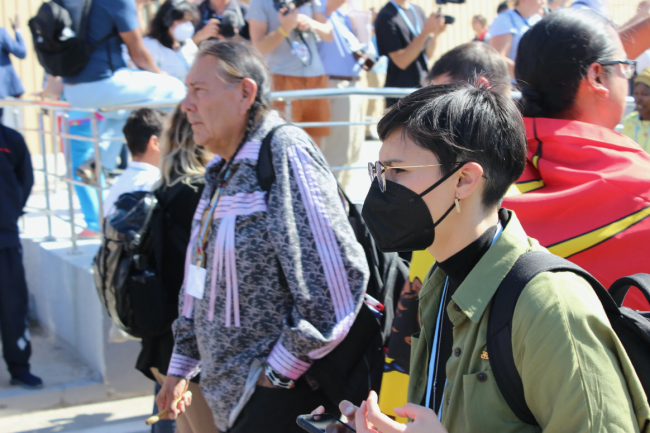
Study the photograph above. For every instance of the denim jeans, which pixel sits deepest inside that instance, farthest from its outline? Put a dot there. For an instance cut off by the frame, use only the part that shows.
(80, 152)
(125, 87)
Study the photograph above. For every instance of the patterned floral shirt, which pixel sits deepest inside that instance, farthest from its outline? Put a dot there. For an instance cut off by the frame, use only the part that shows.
(637, 129)
(285, 274)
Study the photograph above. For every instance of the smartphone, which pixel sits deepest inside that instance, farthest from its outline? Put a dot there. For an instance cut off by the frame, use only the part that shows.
(324, 423)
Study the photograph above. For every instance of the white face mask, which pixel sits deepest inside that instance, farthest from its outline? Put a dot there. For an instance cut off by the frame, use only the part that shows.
(183, 32)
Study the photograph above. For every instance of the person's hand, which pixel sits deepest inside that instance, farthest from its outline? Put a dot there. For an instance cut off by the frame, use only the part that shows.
(210, 30)
(304, 23)
(435, 24)
(173, 389)
(346, 408)
(424, 420)
(15, 24)
(289, 21)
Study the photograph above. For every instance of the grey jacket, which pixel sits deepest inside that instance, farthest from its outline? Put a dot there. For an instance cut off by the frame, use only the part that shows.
(285, 274)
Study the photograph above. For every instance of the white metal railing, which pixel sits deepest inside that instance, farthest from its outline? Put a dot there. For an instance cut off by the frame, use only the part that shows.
(59, 111)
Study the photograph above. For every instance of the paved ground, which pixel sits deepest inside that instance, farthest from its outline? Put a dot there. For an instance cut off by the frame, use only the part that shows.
(121, 416)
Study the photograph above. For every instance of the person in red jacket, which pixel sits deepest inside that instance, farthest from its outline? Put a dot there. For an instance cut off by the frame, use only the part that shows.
(585, 192)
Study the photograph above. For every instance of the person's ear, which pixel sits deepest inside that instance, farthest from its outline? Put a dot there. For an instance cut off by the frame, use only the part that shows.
(595, 80)
(154, 144)
(469, 179)
(248, 90)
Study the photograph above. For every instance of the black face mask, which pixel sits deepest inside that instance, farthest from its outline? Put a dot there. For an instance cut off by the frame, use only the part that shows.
(399, 219)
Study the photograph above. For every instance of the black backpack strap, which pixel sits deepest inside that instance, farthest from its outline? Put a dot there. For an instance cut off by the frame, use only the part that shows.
(622, 285)
(499, 332)
(265, 171)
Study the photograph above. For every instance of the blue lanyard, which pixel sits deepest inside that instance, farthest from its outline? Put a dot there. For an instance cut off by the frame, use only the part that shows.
(414, 30)
(636, 134)
(436, 337)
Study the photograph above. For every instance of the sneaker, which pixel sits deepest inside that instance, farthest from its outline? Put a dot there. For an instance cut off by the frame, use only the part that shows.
(27, 381)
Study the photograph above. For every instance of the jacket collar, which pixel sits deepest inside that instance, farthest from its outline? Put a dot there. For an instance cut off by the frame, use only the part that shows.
(559, 131)
(475, 293)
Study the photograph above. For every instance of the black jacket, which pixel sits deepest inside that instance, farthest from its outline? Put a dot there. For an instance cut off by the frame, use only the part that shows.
(170, 229)
(16, 181)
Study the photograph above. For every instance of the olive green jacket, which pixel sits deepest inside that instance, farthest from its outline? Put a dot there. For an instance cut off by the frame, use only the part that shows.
(576, 374)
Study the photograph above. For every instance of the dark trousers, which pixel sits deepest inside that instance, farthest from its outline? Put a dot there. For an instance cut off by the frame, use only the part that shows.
(16, 347)
(274, 410)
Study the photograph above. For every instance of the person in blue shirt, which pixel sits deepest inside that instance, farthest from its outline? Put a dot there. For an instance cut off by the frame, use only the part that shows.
(107, 82)
(343, 146)
(16, 179)
(10, 84)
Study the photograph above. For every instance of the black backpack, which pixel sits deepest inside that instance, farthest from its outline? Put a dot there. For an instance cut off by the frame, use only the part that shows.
(354, 367)
(59, 35)
(631, 327)
(126, 281)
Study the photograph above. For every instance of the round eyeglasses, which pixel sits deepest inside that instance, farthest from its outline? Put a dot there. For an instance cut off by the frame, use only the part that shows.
(378, 171)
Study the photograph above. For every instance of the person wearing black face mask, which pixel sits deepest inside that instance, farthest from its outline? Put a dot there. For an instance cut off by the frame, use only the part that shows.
(449, 155)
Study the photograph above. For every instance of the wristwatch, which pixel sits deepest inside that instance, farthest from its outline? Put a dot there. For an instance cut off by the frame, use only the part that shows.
(277, 379)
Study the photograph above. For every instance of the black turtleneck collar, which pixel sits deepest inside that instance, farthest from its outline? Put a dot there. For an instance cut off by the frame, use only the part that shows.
(458, 266)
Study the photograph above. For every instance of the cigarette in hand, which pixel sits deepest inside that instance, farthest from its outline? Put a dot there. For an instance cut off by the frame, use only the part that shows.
(154, 419)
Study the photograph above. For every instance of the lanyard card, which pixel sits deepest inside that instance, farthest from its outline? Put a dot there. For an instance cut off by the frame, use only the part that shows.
(196, 282)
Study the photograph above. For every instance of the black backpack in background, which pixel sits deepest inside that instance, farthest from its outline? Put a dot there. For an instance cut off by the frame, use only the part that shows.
(59, 31)
(631, 327)
(126, 280)
(354, 367)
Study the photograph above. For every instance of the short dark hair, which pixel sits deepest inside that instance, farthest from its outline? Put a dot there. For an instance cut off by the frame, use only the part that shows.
(468, 61)
(554, 57)
(170, 11)
(140, 126)
(462, 122)
(503, 6)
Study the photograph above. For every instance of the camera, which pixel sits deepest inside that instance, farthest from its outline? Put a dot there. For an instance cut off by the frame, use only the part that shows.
(229, 21)
(284, 6)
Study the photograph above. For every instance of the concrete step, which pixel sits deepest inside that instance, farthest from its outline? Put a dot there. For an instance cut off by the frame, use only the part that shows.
(67, 380)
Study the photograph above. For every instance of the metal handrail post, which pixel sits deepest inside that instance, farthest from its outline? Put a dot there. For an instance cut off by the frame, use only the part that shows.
(98, 167)
(288, 111)
(68, 159)
(46, 180)
(55, 147)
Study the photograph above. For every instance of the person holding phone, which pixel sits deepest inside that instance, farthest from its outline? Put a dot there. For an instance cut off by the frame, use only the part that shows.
(449, 155)
(408, 38)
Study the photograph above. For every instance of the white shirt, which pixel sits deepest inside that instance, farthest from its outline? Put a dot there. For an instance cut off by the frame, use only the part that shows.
(599, 6)
(138, 176)
(175, 63)
(511, 22)
(643, 62)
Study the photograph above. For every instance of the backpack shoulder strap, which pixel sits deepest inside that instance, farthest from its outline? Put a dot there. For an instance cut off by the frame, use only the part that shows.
(499, 332)
(622, 285)
(265, 171)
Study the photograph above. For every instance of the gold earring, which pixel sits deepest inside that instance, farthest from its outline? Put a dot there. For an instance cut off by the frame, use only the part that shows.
(457, 205)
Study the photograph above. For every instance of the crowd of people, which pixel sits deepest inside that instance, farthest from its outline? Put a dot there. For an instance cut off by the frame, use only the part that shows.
(264, 279)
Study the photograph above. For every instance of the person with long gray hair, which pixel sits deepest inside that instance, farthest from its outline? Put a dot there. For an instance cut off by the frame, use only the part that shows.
(273, 281)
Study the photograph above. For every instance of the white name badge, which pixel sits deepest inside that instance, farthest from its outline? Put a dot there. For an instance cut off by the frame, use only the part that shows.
(196, 282)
